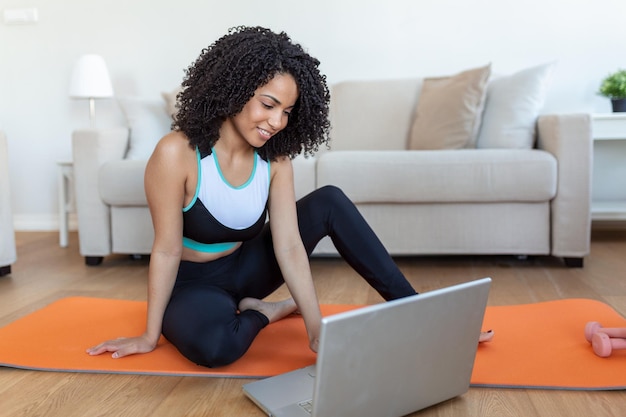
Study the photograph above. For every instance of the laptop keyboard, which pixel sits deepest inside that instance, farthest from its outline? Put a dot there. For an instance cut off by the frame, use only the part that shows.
(307, 406)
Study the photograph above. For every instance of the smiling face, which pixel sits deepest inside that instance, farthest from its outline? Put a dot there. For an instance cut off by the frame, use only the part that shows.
(267, 112)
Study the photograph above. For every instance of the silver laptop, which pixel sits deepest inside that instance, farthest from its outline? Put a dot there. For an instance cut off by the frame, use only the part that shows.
(388, 359)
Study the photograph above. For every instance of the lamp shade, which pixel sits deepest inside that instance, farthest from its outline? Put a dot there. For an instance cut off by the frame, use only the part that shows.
(90, 78)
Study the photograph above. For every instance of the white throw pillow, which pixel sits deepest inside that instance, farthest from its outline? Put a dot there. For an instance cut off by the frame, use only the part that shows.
(511, 109)
(148, 121)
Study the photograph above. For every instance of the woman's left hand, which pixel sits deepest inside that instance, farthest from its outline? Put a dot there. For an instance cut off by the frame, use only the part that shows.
(314, 344)
(485, 336)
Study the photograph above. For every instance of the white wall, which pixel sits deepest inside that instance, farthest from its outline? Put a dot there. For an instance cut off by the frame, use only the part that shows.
(148, 43)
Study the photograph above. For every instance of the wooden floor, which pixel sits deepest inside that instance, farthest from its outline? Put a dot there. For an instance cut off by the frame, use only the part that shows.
(45, 272)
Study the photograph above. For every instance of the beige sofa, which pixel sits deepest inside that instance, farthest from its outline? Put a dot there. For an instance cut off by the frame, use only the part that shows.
(532, 200)
(7, 235)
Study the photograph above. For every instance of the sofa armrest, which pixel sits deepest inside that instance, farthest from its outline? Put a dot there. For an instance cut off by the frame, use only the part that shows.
(91, 148)
(568, 137)
(8, 253)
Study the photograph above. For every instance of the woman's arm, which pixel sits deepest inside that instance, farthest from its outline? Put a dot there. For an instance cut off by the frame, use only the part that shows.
(289, 249)
(165, 182)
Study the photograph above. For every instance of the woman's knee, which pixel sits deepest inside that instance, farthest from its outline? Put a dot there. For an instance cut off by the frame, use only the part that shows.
(331, 192)
(213, 353)
(198, 321)
(331, 196)
(324, 206)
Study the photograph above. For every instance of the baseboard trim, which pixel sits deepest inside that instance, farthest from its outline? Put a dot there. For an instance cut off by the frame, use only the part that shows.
(41, 222)
(608, 225)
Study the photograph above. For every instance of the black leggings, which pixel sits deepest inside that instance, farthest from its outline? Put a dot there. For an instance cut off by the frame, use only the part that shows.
(202, 319)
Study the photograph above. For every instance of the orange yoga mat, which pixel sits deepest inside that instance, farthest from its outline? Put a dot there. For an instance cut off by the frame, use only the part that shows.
(543, 345)
(538, 345)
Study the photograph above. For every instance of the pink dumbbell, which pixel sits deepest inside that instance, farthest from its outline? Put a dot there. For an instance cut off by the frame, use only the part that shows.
(603, 345)
(593, 327)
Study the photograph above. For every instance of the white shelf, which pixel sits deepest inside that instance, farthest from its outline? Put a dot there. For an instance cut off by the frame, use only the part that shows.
(609, 176)
(608, 210)
(609, 126)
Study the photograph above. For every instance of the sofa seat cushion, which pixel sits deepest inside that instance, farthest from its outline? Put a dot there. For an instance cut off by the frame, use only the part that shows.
(441, 176)
(120, 183)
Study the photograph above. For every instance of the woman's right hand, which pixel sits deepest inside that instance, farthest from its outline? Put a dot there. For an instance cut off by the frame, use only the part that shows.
(123, 346)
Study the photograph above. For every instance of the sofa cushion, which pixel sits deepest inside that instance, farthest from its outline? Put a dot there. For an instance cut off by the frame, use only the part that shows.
(440, 176)
(449, 110)
(511, 108)
(372, 115)
(148, 121)
(120, 182)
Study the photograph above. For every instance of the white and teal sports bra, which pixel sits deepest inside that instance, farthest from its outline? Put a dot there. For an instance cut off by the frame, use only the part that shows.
(220, 214)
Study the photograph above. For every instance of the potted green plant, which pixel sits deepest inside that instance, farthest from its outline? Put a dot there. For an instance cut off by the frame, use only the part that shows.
(614, 87)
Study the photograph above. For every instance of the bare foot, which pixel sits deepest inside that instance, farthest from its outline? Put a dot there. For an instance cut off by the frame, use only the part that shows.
(274, 311)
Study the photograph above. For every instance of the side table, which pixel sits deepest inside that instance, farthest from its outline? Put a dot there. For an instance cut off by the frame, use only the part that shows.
(608, 201)
(66, 198)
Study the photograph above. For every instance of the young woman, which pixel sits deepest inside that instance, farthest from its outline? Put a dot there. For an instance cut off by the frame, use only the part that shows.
(252, 101)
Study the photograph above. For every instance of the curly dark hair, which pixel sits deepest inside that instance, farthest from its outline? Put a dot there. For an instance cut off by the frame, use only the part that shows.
(228, 72)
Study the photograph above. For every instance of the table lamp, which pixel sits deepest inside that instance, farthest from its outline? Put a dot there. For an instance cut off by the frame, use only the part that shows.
(90, 80)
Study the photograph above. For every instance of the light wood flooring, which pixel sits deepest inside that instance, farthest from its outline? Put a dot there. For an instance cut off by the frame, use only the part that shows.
(45, 272)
